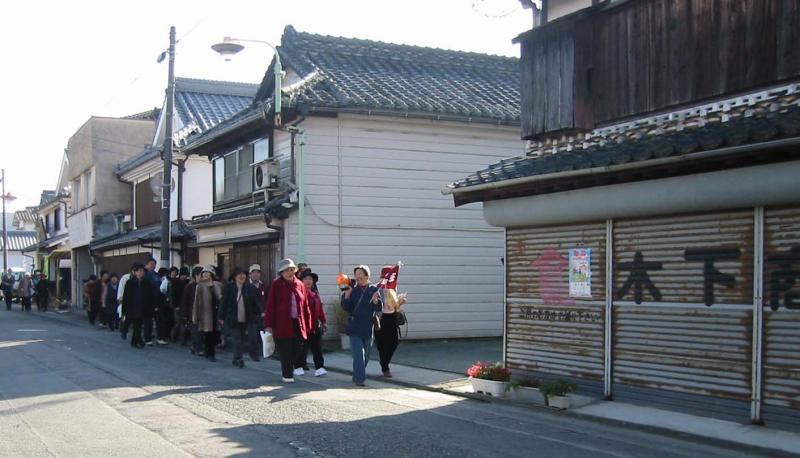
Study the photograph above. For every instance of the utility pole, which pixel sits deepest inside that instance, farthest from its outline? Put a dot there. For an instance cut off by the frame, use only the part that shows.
(167, 154)
(5, 235)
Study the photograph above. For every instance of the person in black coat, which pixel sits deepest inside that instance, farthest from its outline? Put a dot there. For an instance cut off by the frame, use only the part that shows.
(42, 293)
(136, 300)
(240, 312)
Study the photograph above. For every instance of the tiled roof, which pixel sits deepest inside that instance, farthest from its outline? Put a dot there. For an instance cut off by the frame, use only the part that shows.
(204, 103)
(48, 244)
(770, 118)
(149, 153)
(151, 115)
(243, 117)
(200, 105)
(28, 215)
(227, 215)
(47, 197)
(180, 230)
(346, 73)
(18, 240)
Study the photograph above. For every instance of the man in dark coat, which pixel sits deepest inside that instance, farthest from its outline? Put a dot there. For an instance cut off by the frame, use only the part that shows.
(151, 276)
(8, 287)
(139, 293)
(42, 292)
(240, 313)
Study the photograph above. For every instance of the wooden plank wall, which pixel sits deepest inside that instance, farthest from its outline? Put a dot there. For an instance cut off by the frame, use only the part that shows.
(649, 55)
(374, 197)
(657, 54)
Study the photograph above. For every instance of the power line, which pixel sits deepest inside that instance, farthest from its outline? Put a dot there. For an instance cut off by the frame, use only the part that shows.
(479, 6)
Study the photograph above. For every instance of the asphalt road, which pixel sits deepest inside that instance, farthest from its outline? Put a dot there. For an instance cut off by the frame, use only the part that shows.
(69, 390)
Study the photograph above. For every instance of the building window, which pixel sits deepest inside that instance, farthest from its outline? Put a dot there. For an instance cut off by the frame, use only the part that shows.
(260, 150)
(233, 175)
(148, 205)
(57, 220)
(76, 195)
(89, 179)
(47, 227)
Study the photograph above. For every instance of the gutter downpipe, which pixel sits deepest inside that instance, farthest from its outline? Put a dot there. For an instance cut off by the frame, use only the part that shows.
(298, 173)
(301, 196)
(787, 142)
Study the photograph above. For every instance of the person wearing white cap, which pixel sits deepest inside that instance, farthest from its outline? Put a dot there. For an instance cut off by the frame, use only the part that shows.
(262, 290)
(287, 316)
(261, 287)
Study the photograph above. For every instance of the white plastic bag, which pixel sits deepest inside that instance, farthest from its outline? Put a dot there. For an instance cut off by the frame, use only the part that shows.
(267, 344)
(119, 310)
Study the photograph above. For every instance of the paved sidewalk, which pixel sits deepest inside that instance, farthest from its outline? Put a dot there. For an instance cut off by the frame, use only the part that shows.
(615, 412)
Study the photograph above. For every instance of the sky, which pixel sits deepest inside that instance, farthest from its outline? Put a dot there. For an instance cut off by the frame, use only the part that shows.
(64, 62)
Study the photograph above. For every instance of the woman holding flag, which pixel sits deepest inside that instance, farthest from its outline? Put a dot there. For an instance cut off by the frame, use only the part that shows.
(387, 337)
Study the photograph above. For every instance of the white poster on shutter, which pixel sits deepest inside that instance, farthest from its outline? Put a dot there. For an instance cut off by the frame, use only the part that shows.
(580, 272)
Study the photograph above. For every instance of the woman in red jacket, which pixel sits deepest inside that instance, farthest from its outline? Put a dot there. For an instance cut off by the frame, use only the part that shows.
(314, 342)
(288, 317)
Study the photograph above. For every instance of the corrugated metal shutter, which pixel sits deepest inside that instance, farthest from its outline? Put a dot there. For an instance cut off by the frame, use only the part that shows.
(686, 334)
(781, 364)
(547, 332)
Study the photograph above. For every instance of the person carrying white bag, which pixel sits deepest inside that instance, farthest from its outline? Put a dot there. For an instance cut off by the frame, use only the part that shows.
(268, 344)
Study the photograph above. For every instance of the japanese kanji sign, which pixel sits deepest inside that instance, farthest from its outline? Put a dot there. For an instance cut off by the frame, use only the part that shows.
(389, 277)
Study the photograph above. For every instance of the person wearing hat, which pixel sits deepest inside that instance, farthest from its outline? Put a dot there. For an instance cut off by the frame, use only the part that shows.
(205, 311)
(262, 290)
(138, 294)
(314, 342)
(362, 302)
(239, 313)
(261, 287)
(287, 317)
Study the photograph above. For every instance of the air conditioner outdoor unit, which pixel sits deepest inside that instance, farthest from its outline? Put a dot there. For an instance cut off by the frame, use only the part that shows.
(265, 174)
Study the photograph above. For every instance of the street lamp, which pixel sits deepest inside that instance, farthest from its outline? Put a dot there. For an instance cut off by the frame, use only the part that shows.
(227, 49)
(231, 46)
(5, 197)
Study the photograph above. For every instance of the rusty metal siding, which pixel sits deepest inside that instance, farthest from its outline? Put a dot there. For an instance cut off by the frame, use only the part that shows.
(547, 332)
(781, 365)
(671, 329)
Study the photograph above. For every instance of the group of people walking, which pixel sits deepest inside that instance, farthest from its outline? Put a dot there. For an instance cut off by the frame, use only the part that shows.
(197, 309)
(191, 308)
(28, 289)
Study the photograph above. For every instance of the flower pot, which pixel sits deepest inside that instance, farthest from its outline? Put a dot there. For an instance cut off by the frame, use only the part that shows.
(490, 387)
(528, 395)
(558, 402)
(345, 339)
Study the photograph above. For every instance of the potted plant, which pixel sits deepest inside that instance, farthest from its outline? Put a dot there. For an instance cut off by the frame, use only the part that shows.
(341, 322)
(489, 378)
(556, 391)
(527, 390)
